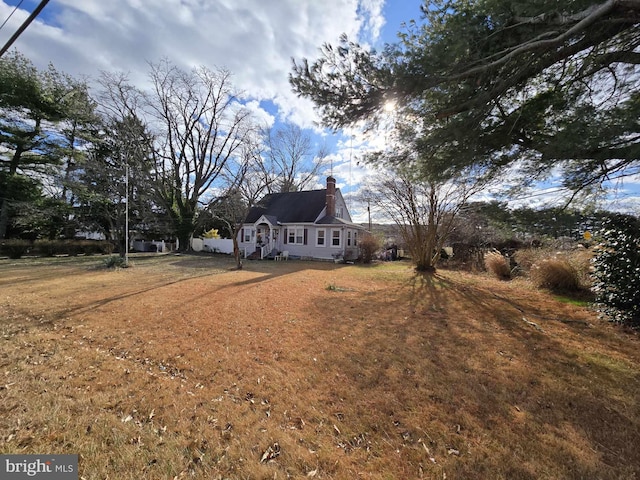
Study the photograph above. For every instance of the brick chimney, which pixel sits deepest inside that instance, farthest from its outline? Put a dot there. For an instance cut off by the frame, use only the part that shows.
(331, 196)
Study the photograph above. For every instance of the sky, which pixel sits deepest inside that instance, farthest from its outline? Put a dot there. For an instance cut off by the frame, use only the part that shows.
(254, 39)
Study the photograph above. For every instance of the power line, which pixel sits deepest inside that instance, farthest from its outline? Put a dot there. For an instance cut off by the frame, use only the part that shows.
(11, 14)
(24, 26)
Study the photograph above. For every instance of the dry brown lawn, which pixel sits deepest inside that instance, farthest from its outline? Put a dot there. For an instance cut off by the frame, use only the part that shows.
(181, 367)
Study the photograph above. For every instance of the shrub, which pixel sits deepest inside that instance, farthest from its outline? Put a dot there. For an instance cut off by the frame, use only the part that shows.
(48, 248)
(556, 274)
(115, 261)
(616, 270)
(105, 247)
(369, 245)
(497, 264)
(93, 247)
(15, 248)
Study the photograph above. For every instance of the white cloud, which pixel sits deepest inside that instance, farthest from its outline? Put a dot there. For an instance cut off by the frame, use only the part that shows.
(254, 39)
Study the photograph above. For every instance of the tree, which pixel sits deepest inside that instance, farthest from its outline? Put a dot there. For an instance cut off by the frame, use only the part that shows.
(291, 159)
(423, 210)
(248, 181)
(202, 124)
(544, 85)
(123, 158)
(24, 194)
(78, 132)
(33, 104)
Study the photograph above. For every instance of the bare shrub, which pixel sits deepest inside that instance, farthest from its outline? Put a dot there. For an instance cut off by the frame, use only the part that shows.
(369, 245)
(556, 274)
(497, 264)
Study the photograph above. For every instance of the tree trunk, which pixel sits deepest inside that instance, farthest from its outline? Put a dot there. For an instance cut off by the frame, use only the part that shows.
(236, 251)
(184, 231)
(4, 209)
(4, 217)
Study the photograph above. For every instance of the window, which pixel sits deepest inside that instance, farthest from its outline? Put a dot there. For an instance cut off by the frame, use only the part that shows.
(247, 234)
(336, 238)
(297, 236)
(320, 240)
(355, 239)
(339, 212)
(349, 238)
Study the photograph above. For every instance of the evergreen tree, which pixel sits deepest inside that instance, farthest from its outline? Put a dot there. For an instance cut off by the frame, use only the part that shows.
(43, 117)
(546, 86)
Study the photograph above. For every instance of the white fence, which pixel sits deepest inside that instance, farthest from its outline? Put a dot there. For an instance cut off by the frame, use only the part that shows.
(218, 245)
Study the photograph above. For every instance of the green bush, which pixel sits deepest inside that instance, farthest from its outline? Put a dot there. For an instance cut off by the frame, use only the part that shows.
(616, 270)
(115, 261)
(14, 248)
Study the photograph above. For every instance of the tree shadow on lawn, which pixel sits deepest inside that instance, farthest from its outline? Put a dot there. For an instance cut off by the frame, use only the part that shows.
(270, 270)
(456, 364)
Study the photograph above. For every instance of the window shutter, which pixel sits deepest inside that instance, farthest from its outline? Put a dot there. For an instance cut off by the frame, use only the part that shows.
(286, 235)
(242, 235)
(305, 236)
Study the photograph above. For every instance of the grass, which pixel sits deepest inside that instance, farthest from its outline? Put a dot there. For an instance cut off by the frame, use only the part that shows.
(181, 367)
(498, 265)
(580, 302)
(556, 274)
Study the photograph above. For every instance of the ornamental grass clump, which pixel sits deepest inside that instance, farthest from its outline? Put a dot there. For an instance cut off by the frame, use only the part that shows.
(498, 265)
(555, 274)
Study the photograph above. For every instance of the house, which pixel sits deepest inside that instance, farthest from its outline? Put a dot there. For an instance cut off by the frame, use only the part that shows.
(312, 224)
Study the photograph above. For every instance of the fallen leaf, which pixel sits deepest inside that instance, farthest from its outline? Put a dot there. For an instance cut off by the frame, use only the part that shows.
(270, 453)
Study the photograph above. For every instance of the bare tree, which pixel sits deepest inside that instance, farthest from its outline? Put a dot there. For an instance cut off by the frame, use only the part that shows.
(247, 183)
(202, 125)
(292, 161)
(424, 210)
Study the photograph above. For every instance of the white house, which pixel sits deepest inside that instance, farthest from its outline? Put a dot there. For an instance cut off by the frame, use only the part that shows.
(313, 224)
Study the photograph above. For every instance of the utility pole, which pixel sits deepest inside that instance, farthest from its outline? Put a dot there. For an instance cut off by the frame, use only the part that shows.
(126, 214)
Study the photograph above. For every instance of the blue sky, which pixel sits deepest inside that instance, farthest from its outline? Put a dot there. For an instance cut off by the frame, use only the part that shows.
(254, 39)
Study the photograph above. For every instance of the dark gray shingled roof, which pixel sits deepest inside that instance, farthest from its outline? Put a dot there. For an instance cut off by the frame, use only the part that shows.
(290, 207)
